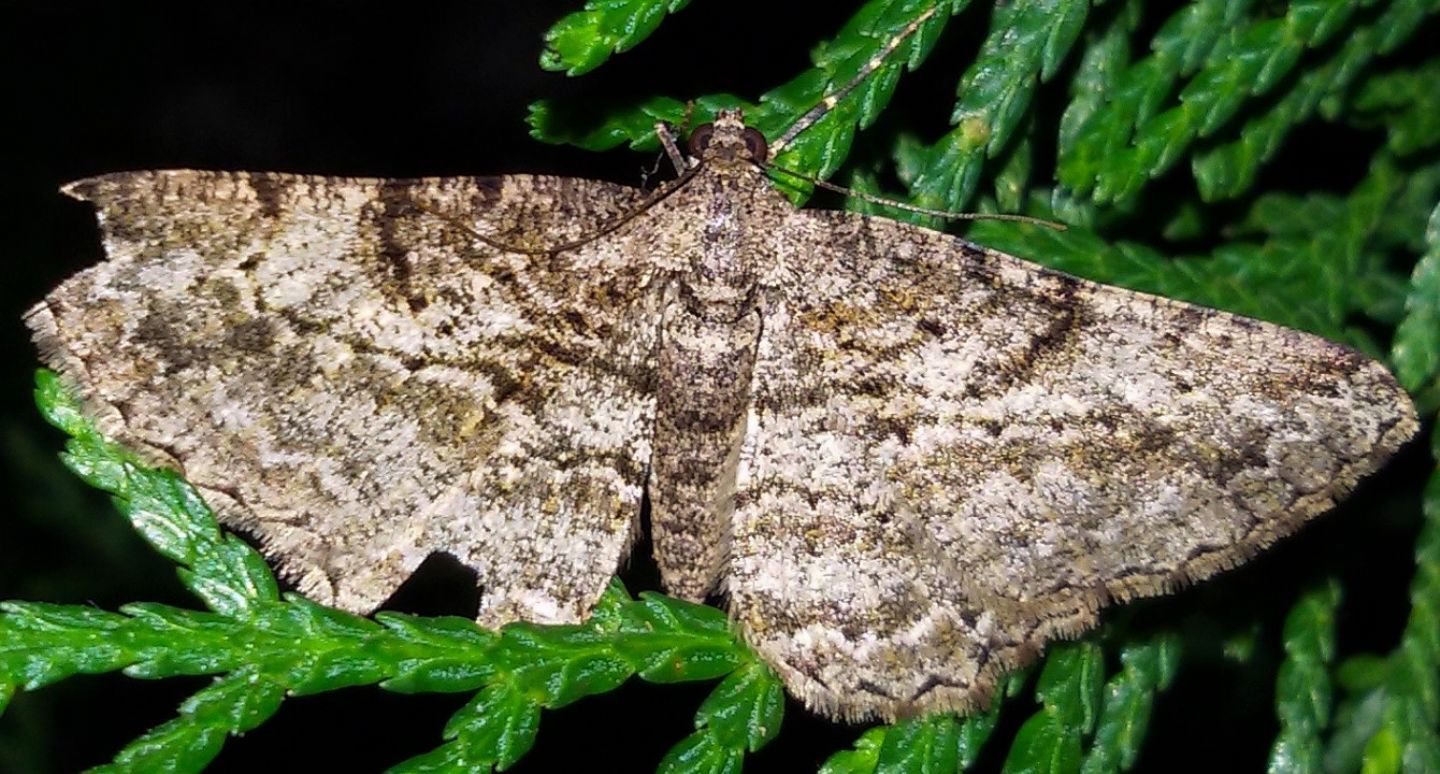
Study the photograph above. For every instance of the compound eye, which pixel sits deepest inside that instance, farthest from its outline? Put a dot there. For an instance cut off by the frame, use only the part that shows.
(700, 139)
(755, 144)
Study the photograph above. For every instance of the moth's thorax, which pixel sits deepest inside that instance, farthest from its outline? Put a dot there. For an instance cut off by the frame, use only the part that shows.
(733, 210)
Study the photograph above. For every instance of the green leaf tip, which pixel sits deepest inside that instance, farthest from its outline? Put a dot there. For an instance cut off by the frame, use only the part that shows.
(58, 406)
(1416, 351)
(741, 715)
(582, 41)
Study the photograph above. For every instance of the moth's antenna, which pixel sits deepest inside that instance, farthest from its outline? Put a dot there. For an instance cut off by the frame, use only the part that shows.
(654, 198)
(829, 102)
(883, 202)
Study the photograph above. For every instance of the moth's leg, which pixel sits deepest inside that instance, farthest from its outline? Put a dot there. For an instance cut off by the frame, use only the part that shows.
(672, 150)
(685, 123)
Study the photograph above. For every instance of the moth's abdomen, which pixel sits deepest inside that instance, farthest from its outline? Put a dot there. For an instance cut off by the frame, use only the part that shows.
(703, 399)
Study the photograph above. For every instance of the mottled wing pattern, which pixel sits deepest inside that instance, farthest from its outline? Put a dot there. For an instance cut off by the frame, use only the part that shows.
(954, 456)
(349, 372)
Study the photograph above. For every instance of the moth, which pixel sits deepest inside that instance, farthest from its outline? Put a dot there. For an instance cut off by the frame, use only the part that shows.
(907, 461)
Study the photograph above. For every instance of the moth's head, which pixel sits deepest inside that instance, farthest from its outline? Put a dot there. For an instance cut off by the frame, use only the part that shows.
(728, 141)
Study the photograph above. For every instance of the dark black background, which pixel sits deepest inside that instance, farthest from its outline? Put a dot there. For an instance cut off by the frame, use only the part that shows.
(381, 89)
